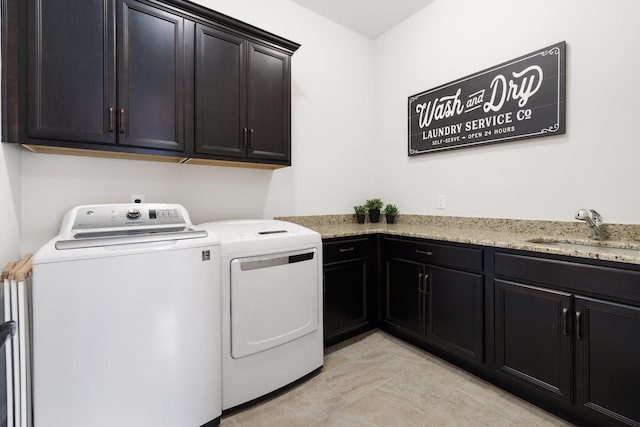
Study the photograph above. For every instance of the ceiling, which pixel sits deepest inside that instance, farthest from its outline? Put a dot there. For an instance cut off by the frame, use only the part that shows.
(367, 17)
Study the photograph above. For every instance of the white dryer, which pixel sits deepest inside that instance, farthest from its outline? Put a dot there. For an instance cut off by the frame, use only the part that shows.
(271, 293)
(126, 324)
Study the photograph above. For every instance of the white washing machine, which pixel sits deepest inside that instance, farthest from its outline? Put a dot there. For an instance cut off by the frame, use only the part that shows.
(271, 281)
(126, 320)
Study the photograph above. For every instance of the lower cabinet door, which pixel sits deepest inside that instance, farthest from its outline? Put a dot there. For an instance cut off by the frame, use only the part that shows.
(345, 297)
(456, 311)
(608, 361)
(533, 337)
(404, 303)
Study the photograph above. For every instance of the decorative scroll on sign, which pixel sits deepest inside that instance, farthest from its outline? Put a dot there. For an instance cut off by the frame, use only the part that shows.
(522, 98)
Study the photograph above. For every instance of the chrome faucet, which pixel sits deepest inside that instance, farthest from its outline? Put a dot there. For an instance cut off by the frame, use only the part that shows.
(593, 220)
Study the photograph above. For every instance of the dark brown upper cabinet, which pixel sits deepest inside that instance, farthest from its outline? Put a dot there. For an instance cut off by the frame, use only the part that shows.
(242, 92)
(220, 92)
(161, 79)
(268, 102)
(77, 95)
(71, 78)
(151, 66)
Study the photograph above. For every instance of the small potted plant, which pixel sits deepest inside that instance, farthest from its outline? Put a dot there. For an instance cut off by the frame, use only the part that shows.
(374, 206)
(390, 211)
(361, 212)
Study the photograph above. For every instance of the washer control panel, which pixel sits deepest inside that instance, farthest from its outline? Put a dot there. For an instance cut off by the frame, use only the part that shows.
(127, 215)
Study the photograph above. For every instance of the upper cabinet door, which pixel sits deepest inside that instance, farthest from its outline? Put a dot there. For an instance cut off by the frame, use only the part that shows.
(150, 77)
(71, 87)
(269, 104)
(220, 92)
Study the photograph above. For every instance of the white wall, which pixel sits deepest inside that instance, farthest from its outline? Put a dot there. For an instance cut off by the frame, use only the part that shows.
(349, 98)
(332, 109)
(594, 165)
(10, 203)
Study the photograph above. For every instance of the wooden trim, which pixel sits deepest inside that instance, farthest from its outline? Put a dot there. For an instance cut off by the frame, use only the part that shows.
(26, 260)
(228, 163)
(45, 149)
(7, 270)
(24, 271)
(98, 153)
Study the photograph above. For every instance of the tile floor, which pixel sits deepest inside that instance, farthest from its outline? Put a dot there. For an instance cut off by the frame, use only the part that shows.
(376, 379)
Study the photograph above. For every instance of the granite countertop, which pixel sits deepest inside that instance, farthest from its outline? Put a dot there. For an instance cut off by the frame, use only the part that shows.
(622, 243)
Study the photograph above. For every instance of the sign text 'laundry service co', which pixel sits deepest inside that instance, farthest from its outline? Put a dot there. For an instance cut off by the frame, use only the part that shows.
(522, 98)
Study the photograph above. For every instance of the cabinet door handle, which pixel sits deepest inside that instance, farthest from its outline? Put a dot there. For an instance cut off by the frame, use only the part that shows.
(250, 139)
(425, 280)
(343, 250)
(579, 325)
(420, 277)
(565, 321)
(245, 138)
(121, 119)
(429, 253)
(111, 117)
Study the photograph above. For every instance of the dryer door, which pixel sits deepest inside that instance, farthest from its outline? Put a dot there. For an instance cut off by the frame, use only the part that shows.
(274, 300)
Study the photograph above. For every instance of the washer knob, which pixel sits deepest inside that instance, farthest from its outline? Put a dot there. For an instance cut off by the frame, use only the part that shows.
(133, 214)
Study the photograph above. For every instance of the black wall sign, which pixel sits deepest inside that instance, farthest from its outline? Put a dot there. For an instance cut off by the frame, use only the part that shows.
(522, 98)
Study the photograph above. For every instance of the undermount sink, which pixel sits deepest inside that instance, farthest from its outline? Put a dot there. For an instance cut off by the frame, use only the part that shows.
(593, 245)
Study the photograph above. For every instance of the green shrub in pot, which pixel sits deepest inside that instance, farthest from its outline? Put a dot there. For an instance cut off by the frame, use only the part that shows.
(390, 211)
(361, 212)
(374, 206)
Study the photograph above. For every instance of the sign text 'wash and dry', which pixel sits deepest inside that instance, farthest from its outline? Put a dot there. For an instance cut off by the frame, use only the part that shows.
(522, 98)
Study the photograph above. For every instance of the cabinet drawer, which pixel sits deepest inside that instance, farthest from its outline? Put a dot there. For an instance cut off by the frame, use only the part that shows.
(345, 249)
(582, 278)
(433, 253)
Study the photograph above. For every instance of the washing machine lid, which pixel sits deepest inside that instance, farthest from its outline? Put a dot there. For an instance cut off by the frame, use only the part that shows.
(90, 226)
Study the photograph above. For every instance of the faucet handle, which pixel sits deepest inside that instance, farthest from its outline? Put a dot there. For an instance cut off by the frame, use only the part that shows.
(597, 218)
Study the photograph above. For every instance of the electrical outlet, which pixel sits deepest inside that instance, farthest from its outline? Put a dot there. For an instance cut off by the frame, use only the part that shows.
(136, 198)
(441, 202)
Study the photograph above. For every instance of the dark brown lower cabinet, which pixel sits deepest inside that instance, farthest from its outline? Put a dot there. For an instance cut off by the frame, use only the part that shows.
(608, 361)
(431, 302)
(456, 311)
(350, 288)
(532, 337)
(345, 296)
(582, 351)
(562, 333)
(405, 296)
